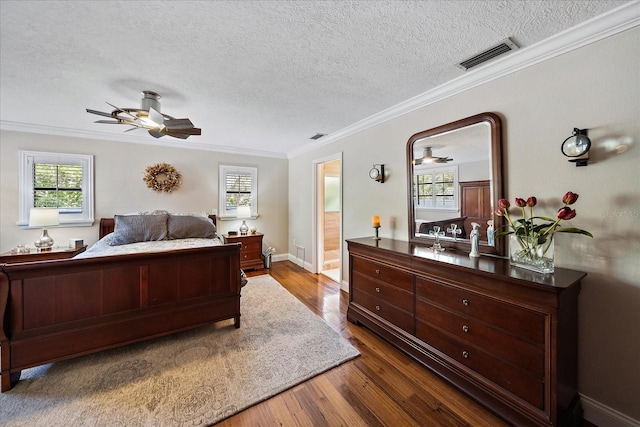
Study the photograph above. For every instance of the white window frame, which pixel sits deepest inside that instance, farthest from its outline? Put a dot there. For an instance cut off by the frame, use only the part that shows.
(456, 188)
(25, 186)
(222, 180)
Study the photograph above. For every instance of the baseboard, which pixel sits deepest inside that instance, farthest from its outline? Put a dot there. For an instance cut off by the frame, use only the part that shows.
(300, 262)
(604, 416)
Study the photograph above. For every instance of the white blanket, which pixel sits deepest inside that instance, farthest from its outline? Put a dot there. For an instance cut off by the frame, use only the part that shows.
(103, 246)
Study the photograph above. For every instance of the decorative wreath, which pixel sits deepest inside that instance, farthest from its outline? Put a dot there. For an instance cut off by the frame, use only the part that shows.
(162, 177)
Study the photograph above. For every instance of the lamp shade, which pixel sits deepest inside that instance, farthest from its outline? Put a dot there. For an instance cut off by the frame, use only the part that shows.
(243, 212)
(44, 217)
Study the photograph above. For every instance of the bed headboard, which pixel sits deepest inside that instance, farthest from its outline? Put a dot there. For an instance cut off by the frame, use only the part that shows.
(108, 224)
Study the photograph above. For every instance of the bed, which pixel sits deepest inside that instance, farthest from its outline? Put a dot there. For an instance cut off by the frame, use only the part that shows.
(60, 309)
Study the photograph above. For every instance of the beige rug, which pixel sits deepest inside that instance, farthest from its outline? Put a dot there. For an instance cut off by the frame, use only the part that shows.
(193, 378)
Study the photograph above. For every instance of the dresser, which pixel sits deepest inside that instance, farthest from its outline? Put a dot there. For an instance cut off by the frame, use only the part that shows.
(505, 336)
(251, 251)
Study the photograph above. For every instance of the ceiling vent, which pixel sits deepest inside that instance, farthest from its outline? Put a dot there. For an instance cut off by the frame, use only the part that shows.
(318, 136)
(503, 47)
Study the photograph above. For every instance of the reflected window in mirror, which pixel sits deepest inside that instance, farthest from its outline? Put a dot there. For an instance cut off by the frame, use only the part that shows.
(436, 188)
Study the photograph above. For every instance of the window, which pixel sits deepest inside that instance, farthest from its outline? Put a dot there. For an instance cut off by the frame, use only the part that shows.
(52, 180)
(436, 188)
(238, 187)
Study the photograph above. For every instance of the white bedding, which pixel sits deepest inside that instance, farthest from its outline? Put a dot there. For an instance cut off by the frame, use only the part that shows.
(103, 246)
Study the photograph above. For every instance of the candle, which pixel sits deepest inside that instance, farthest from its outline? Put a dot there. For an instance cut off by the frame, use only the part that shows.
(375, 221)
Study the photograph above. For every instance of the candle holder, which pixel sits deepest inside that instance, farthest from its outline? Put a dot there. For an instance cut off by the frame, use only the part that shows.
(376, 236)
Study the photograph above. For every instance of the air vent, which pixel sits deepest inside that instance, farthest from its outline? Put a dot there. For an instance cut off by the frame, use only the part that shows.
(318, 135)
(503, 47)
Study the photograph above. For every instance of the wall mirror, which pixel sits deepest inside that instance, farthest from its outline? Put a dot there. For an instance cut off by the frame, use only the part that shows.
(455, 180)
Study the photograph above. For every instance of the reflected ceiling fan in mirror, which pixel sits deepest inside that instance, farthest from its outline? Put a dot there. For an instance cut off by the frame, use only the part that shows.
(427, 157)
(149, 117)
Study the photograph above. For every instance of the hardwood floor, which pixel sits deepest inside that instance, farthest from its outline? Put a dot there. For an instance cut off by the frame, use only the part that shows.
(382, 387)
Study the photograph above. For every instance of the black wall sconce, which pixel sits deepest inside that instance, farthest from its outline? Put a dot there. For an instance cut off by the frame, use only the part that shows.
(377, 173)
(577, 146)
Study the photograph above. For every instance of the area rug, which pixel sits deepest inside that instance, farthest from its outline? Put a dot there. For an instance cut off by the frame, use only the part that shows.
(193, 378)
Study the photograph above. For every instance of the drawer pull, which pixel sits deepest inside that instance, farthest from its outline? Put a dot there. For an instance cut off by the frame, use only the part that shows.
(377, 271)
(465, 328)
(465, 354)
(465, 302)
(378, 290)
(377, 307)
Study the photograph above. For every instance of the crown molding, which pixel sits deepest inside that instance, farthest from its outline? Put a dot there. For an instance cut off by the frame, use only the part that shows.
(608, 24)
(165, 142)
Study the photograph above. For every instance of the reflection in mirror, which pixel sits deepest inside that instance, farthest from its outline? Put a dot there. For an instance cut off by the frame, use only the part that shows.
(455, 180)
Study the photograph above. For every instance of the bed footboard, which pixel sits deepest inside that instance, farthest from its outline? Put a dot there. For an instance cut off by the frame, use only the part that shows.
(56, 310)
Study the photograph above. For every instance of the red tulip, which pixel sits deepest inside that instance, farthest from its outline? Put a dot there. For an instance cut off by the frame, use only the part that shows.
(504, 203)
(566, 213)
(569, 198)
(520, 202)
(532, 201)
(499, 211)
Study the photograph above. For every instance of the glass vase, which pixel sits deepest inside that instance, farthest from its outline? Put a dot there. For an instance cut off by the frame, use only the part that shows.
(527, 253)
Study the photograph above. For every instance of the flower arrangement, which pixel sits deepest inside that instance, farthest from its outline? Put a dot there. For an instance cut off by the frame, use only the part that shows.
(536, 239)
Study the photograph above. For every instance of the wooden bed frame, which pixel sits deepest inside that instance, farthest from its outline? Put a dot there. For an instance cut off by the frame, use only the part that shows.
(60, 309)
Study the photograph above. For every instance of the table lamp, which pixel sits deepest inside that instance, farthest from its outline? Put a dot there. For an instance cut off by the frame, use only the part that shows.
(243, 212)
(44, 217)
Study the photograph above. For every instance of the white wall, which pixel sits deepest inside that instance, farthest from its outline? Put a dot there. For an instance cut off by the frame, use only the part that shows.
(119, 188)
(594, 87)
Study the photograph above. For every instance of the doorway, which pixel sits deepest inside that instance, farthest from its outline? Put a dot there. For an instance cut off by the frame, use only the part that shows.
(329, 218)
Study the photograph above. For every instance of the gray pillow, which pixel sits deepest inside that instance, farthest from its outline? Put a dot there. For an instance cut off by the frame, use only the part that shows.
(185, 227)
(139, 228)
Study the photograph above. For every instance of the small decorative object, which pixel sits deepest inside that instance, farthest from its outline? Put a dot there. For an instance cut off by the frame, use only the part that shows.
(475, 240)
(21, 249)
(44, 217)
(490, 232)
(531, 244)
(253, 230)
(454, 230)
(76, 243)
(436, 233)
(162, 177)
(377, 173)
(375, 222)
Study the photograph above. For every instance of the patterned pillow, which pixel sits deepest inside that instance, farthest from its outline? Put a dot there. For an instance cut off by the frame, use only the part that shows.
(185, 227)
(139, 228)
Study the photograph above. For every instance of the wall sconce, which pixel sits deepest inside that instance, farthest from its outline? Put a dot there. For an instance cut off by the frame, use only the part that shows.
(377, 173)
(577, 147)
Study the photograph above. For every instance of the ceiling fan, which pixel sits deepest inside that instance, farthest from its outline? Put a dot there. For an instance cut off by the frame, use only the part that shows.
(428, 157)
(149, 117)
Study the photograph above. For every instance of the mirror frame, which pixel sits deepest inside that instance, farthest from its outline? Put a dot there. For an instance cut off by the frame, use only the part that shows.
(497, 187)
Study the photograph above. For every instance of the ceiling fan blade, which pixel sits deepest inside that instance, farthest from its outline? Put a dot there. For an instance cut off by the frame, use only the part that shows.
(178, 124)
(100, 113)
(122, 110)
(190, 131)
(156, 133)
(156, 116)
(108, 122)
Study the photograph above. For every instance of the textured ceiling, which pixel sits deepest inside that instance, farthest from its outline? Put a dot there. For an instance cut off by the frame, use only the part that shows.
(256, 76)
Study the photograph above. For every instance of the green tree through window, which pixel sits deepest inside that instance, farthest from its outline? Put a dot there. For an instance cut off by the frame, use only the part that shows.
(57, 186)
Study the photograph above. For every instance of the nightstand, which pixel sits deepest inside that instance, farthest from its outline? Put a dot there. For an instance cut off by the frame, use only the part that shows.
(41, 255)
(251, 252)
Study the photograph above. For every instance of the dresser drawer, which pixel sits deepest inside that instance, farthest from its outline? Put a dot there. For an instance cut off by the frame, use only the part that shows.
(526, 324)
(381, 272)
(525, 385)
(391, 294)
(384, 309)
(499, 344)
